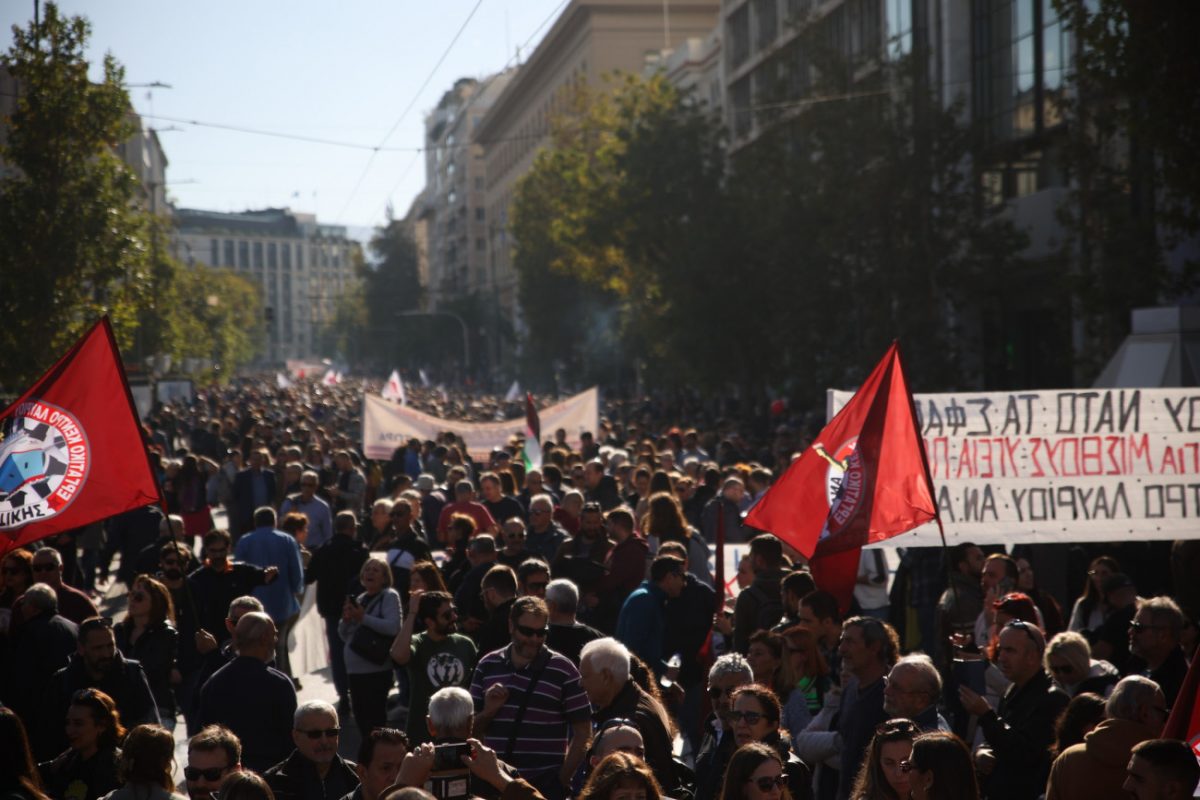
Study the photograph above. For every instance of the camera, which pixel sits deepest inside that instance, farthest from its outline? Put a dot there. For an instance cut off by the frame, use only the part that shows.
(448, 756)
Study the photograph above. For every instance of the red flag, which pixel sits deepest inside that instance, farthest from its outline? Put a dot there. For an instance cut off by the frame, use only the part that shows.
(865, 479)
(1184, 721)
(72, 452)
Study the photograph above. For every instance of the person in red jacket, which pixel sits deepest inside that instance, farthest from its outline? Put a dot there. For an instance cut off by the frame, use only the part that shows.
(626, 564)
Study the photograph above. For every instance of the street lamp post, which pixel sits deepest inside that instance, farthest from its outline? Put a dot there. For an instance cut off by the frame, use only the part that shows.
(462, 323)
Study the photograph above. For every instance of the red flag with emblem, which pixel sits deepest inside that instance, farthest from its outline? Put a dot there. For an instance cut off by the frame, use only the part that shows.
(73, 452)
(865, 478)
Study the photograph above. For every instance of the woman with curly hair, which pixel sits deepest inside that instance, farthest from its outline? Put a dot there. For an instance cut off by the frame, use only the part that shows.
(756, 772)
(882, 775)
(148, 635)
(621, 776)
(89, 767)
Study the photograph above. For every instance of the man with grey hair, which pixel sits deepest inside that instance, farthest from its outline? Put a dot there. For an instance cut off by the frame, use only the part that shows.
(729, 672)
(314, 770)
(451, 714)
(567, 634)
(604, 674)
(306, 502)
(252, 699)
(544, 536)
(1154, 638)
(1135, 712)
(44, 641)
(912, 690)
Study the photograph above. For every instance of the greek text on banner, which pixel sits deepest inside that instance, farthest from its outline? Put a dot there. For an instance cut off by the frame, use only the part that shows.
(387, 425)
(1060, 465)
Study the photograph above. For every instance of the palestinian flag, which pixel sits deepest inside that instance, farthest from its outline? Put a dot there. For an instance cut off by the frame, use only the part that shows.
(532, 456)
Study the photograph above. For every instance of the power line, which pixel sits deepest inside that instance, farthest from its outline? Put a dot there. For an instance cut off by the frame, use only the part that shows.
(275, 134)
(411, 103)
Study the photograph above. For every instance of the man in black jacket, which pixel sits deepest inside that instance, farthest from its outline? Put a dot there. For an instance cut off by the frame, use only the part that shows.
(221, 579)
(250, 698)
(314, 770)
(97, 664)
(40, 645)
(1020, 732)
(717, 746)
(334, 568)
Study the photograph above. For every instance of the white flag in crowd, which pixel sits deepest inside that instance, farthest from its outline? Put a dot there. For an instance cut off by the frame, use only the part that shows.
(514, 393)
(283, 381)
(394, 389)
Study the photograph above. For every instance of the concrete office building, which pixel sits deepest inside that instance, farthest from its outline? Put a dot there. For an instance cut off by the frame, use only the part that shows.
(589, 40)
(302, 267)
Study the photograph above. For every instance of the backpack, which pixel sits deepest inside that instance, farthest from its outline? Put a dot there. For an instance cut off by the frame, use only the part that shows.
(770, 609)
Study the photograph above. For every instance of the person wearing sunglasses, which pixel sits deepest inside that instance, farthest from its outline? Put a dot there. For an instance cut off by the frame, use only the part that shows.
(604, 673)
(315, 761)
(882, 776)
(755, 716)
(529, 704)
(1020, 732)
(717, 745)
(1069, 663)
(1154, 638)
(940, 769)
(514, 553)
(213, 755)
(756, 772)
(148, 635)
(73, 604)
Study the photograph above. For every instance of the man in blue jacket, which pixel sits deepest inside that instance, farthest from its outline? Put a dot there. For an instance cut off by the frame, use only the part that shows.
(642, 623)
(267, 547)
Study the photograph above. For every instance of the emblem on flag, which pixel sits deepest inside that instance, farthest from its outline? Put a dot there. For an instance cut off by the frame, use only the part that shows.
(44, 462)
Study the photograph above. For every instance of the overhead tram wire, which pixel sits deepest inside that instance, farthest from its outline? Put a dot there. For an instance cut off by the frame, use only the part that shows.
(409, 107)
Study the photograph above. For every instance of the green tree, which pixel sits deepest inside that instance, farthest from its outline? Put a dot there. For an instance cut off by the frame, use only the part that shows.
(72, 244)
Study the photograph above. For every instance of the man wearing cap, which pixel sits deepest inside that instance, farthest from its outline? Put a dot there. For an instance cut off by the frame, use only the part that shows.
(432, 500)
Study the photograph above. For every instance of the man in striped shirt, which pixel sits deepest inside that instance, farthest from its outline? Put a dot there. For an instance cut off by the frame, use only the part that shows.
(529, 705)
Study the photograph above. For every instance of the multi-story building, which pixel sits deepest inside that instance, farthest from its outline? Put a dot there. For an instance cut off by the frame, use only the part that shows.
(695, 68)
(590, 40)
(452, 203)
(302, 267)
(144, 154)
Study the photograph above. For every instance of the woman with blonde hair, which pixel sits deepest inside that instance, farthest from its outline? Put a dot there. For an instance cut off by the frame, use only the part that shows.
(621, 776)
(369, 624)
(148, 635)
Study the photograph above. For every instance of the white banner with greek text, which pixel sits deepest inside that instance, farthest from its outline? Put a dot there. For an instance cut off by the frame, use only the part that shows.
(1083, 465)
(387, 426)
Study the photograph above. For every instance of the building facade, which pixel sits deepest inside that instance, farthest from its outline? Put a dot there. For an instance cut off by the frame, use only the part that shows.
(300, 266)
(590, 40)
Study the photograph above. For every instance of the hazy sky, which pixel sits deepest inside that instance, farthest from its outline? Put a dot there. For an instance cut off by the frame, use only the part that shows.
(332, 70)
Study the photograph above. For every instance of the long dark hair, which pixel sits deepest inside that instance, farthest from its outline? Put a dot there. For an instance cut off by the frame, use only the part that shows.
(742, 765)
(147, 757)
(104, 712)
(664, 519)
(17, 768)
(871, 782)
(1091, 597)
(1084, 712)
(948, 758)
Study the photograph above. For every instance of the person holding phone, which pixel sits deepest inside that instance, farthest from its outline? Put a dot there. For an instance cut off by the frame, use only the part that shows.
(999, 577)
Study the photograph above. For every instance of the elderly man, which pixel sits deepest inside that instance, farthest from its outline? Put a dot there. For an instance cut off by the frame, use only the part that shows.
(97, 664)
(72, 603)
(1161, 769)
(214, 754)
(252, 699)
(1154, 638)
(730, 672)
(912, 690)
(544, 536)
(1095, 769)
(529, 705)
(869, 649)
(265, 547)
(604, 675)
(567, 634)
(44, 641)
(314, 770)
(306, 502)
(380, 755)
(1021, 731)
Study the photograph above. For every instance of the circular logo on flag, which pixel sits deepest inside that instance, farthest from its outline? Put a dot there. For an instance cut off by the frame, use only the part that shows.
(839, 461)
(44, 462)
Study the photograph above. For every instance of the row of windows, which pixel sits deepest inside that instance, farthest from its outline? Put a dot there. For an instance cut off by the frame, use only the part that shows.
(530, 135)
(244, 254)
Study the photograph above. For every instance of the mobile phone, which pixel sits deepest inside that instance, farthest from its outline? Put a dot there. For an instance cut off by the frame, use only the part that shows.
(353, 598)
(449, 756)
(969, 673)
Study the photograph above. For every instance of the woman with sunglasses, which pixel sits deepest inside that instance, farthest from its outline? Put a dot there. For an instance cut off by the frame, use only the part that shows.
(148, 635)
(146, 766)
(1069, 662)
(621, 776)
(88, 768)
(756, 772)
(882, 776)
(755, 715)
(940, 769)
(378, 610)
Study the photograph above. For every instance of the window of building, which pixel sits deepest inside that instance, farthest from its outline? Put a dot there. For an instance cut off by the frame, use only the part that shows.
(899, 24)
(258, 255)
(214, 252)
(479, 217)
(766, 23)
(285, 252)
(229, 259)
(272, 260)
(739, 37)
(480, 244)
(244, 254)
(478, 182)
(739, 99)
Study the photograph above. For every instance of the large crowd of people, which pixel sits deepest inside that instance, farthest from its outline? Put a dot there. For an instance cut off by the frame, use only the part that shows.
(494, 630)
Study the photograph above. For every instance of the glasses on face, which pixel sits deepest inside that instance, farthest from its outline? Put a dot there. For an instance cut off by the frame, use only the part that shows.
(540, 633)
(539, 511)
(317, 733)
(748, 717)
(47, 567)
(907, 766)
(515, 534)
(1138, 627)
(896, 726)
(766, 783)
(1060, 669)
(715, 692)
(211, 774)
